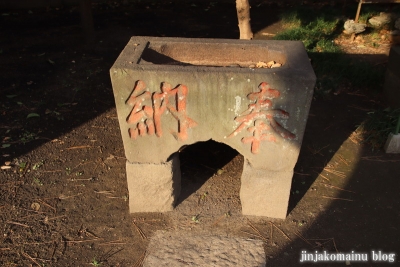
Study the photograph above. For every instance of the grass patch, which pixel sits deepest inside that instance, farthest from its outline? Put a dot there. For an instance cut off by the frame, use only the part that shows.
(366, 13)
(334, 69)
(377, 127)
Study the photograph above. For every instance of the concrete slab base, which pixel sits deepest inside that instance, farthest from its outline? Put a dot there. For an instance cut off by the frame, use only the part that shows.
(393, 143)
(264, 192)
(186, 249)
(153, 187)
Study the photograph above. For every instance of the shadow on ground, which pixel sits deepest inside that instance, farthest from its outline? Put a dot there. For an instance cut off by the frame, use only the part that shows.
(47, 70)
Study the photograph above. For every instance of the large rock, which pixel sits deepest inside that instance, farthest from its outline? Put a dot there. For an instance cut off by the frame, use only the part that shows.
(351, 27)
(383, 19)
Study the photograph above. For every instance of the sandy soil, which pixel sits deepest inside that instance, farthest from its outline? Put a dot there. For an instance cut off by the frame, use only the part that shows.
(63, 194)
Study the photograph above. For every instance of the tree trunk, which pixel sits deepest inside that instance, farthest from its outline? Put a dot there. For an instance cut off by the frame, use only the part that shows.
(85, 7)
(243, 13)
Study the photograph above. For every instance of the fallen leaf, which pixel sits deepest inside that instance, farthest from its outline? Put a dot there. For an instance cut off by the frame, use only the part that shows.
(35, 206)
(261, 64)
(268, 34)
(110, 157)
(270, 64)
(276, 65)
(31, 115)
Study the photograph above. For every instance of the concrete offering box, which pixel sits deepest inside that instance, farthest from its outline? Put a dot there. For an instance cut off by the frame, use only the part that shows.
(172, 92)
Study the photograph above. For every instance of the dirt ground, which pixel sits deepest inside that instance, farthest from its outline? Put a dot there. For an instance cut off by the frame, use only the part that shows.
(63, 194)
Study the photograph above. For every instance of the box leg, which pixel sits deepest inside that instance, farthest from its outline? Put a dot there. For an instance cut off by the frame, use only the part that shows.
(264, 192)
(153, 187)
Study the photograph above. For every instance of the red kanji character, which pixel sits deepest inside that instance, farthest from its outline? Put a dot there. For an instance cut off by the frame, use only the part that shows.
(281, 131)
(179, 113)
(261, 109)
(140, 113)
(160, 102)
(148, 118)
(258, 135)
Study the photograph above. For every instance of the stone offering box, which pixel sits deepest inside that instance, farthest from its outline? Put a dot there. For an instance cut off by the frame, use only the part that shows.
(172, 92)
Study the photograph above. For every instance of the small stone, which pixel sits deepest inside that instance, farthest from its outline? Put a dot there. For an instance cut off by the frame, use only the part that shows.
(5, 167)
(7, 163)
(276, 65)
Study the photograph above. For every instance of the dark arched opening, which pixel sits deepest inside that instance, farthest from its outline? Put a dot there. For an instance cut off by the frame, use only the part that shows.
(210, 179)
